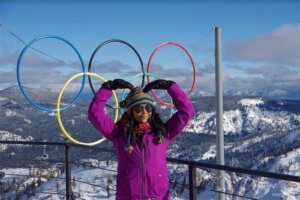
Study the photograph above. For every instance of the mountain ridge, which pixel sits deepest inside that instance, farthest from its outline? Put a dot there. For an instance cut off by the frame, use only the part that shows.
(259, 132)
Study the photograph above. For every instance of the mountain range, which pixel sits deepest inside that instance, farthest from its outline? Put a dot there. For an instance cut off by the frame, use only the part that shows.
(274, 91)
(260, 133)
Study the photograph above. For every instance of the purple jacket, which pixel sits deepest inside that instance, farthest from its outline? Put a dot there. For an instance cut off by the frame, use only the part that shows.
(143, 172)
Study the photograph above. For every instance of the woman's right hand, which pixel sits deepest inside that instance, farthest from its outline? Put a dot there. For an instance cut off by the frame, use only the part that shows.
(117, 84)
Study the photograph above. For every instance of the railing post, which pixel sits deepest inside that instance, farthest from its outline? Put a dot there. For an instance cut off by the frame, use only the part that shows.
(192, 182)
(68, 172)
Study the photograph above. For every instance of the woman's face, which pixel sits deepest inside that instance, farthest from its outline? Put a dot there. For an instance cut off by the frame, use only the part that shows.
(142, 112)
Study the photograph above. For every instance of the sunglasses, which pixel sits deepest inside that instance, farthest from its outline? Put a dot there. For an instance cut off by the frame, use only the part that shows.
(138, 109)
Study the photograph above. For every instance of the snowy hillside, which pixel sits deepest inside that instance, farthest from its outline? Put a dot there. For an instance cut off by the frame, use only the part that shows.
(87, 182)
(249, 186)
(251, 116)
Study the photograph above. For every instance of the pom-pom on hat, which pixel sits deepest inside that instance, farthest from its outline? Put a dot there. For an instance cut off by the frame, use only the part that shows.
(136, 97)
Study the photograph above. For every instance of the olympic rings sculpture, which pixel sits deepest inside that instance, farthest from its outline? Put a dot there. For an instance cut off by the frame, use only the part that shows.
(90, 74)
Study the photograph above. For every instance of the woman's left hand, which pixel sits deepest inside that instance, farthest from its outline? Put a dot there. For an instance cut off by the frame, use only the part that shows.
(158, 84)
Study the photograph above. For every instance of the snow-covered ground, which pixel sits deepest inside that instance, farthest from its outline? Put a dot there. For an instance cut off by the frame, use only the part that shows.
(87, 183)
(250, 118)
(91, 181)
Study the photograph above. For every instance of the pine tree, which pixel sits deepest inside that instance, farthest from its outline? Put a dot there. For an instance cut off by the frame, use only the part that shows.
(73, 182)
(33, 188)
(13, 181)
(39, 181)
(57, 187)
(109, 182)
(280, 168)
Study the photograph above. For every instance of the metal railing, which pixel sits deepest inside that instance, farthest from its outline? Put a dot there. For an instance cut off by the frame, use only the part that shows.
(192, 166)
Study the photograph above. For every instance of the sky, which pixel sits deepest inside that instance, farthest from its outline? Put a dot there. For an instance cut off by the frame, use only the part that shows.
(260, 41)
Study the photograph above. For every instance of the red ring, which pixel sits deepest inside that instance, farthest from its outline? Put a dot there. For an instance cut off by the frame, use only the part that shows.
(149, 64)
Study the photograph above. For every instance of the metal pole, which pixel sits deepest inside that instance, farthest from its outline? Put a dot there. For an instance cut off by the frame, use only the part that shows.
(219, 111)
(68, 172)
(192, 182)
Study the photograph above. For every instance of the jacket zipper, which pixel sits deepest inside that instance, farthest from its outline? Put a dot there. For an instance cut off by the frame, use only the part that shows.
(148, 148)
(143, 165)
(143, 172)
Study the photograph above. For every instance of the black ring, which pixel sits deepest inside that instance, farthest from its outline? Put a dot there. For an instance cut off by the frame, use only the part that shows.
(103, 44)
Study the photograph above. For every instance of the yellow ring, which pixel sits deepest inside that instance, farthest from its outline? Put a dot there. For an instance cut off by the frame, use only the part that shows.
(58, 109)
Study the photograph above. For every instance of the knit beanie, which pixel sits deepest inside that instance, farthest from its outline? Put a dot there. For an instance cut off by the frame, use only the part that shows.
(136, 97)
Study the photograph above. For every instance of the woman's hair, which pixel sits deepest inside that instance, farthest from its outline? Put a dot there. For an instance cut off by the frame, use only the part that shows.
(158, 128)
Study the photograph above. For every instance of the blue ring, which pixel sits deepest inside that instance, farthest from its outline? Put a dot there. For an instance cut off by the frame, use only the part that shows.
(20, 83)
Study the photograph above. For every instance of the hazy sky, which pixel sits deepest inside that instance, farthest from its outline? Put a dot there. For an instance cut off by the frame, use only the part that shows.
(260, 40)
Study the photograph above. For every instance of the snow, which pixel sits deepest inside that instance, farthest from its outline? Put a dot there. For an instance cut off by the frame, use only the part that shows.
(52, 114)
(250, 118)
(96, 178)
(11, 173)
(233, 122)
(289, 163)
(5, 135)
(266, 189)
(210, 153)
(200, 123)
(8, 100)
(19, 129)
(72, 121)
(251, 102)
(27, 121)
(11, 113)
(3, 99)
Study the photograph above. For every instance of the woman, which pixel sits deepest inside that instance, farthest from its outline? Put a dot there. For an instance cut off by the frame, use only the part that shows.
(140, 137)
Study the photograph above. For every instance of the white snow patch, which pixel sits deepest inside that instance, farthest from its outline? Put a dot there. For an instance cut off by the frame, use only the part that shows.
(5, 135)
(52, 114)
(210, 153)
(3, 98)
(11, 113)
(72, 121)
(251, 102)
(27, 121)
